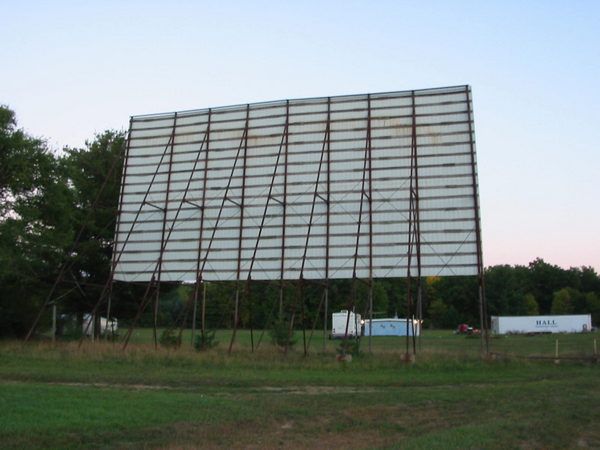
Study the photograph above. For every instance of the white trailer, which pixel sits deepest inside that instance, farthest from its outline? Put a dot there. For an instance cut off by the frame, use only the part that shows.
(339, 321)
(580, 323)
(392, 327)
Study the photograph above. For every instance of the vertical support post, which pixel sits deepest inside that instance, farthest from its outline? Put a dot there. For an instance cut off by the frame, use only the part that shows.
(316, 194)
(485, 344)
(281, 298)
(53, 323)
(414, 236)
(325, 329)
(350, 310)
(419, 314)
(269, 197)
(417, 218)
(370, 203)
(241, 233)
(370, 316)
(407, 355)
(119, 247)
(363, 194)
(155, 315)
(147, 298)
(284, 205)
(327, 224)
(199, 268)
(203, 313)
(235, 316)
(143, 304)
(249, 300)
(194, 310)
(302, 311)
(164, 229)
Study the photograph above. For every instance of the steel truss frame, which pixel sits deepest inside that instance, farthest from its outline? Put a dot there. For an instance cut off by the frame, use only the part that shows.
(321, 195)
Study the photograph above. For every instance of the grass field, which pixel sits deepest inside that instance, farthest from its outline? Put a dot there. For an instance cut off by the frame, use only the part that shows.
(99, 396)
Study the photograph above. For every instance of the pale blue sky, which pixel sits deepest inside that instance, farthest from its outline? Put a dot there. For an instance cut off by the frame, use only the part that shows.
(70, 69)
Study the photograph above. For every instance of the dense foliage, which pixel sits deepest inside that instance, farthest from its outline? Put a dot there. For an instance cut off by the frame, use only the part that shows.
(57, 216)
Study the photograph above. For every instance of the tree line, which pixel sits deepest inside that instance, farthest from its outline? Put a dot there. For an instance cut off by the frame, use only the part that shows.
(50, 200)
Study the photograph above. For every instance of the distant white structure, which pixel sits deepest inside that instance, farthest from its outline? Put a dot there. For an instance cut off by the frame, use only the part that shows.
(392, 327)
(106, 326)
(339, 321)
(541, 324)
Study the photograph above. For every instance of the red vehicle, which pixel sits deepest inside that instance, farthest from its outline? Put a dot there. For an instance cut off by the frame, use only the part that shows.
(463, 328)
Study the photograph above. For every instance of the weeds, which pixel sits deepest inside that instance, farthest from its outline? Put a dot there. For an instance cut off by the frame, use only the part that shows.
(169, 338)
(281, 335)
(205, 341)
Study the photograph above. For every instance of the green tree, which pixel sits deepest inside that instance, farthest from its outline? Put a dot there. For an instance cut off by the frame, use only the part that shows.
(47, 201)
(25, 163)
(94, 180)
(437, 312)
(588, 279)
(506, 289)
(531, 307)
(35, 224)
(563, 301)
(593, 306)
(546, 279)
(460, 294)
(380, 297)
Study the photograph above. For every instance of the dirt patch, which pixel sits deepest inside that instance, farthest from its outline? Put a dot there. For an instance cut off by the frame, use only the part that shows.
(292, 390)
(317, 390)
(99, 385)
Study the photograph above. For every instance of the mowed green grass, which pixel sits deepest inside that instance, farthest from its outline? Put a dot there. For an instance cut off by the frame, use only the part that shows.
(99, 396)
(432, 341)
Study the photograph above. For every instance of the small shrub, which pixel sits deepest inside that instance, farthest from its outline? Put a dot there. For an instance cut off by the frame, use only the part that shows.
(168, 338)
(205, 341)
(280, 333)
(349, 347)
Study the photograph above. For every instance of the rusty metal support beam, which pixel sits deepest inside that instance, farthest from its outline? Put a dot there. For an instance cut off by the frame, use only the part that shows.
(327, 224)
(485, 340)
(414, 236)
(163, 243)
(241, 205)
(284, 204)
(152, 205)
(192, 298)
(202, 214)
(168, 235)
(118, 253)
(370, 202)
(142, 307)
(366, 174)
(417, 217)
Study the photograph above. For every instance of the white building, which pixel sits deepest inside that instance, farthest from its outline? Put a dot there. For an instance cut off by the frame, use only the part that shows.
(392, 327)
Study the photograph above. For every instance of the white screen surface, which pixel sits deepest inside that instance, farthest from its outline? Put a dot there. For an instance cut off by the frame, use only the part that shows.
(315, 188)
